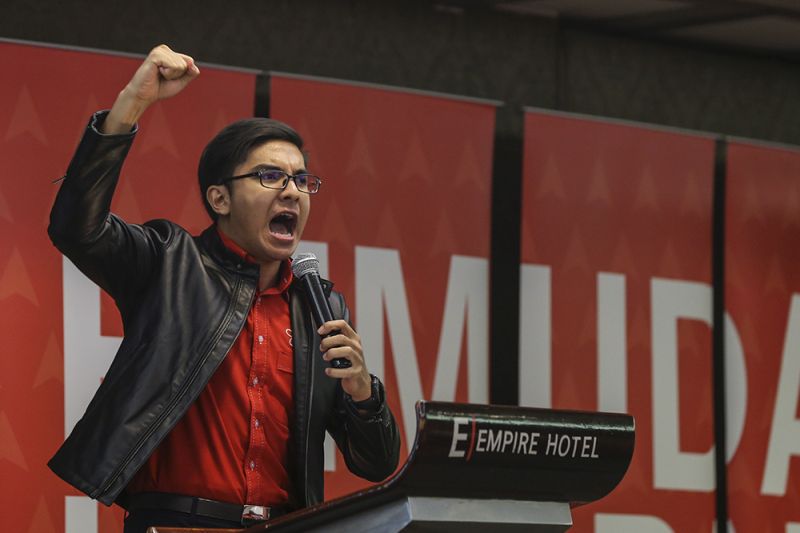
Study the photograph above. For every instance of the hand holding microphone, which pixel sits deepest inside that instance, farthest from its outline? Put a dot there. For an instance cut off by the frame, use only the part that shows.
(340, 343)
(305, 267)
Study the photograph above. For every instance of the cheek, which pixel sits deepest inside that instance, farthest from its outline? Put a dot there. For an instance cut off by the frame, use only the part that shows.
(307, 212)
(252, 210)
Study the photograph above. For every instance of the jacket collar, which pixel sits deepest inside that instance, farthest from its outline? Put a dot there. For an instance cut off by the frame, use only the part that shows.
(225, 257)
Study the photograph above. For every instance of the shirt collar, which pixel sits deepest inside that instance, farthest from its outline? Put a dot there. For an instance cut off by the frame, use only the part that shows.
(285, 276)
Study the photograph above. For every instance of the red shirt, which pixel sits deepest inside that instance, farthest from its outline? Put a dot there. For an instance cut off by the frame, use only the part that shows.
(231, 445)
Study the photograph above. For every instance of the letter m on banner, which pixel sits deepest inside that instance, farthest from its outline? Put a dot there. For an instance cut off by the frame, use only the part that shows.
(380, 287)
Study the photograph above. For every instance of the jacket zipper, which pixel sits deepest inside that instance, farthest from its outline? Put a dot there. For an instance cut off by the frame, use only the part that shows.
(128, 458)
(310, 333)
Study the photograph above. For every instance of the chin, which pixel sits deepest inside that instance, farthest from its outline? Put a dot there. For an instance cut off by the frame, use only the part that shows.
(279, 254)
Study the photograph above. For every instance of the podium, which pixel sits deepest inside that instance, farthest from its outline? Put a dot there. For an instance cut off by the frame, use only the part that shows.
(483, 468)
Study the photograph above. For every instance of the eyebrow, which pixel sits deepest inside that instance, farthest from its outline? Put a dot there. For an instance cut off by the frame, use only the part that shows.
(264, 166)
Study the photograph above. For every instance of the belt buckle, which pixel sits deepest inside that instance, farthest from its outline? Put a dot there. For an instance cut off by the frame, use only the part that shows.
(254, 513)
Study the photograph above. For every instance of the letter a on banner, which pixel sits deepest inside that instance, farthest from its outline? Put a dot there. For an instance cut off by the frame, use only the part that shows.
(784, 439)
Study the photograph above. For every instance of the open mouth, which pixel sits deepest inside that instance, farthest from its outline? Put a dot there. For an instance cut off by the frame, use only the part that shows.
(283, 225)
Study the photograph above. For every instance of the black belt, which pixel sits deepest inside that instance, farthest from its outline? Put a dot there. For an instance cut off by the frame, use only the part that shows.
(242, 514)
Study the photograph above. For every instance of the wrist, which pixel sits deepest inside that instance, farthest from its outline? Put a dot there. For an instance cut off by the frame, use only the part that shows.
(364, 392)
(372, 402)
(125, 113)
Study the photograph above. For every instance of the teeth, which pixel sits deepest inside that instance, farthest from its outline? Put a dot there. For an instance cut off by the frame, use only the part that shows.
(286, 222)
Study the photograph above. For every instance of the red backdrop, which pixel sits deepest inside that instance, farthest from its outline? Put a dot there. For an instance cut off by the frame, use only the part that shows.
(616, 304)
(49, 96)
(616, 251)
(404, 213)
(763, 298)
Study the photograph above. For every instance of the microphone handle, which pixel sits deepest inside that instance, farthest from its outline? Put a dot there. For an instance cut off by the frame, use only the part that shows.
(338, 362)
(321, 311)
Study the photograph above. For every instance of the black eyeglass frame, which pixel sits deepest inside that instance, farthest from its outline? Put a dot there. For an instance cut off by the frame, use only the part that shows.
(286, 177)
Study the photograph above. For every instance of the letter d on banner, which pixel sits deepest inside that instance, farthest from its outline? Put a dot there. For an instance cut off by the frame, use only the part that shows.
(672, 467)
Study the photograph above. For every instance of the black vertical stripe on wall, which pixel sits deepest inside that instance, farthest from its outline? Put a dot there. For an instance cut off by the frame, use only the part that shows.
(718, 336)
(504, 262)
(261, 97)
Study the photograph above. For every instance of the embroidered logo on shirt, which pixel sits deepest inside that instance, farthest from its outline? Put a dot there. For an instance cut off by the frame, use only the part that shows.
(289, 334)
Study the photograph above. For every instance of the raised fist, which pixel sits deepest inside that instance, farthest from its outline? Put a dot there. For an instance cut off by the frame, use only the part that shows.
(164, 73)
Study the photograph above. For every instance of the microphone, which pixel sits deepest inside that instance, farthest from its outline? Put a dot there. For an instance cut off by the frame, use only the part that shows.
(305, 267)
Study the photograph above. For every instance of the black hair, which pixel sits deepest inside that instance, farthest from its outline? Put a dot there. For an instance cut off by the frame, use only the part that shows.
(231, 147)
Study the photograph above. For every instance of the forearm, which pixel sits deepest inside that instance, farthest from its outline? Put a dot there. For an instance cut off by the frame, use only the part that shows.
(370, 442)
(84, 199)
(117, 256)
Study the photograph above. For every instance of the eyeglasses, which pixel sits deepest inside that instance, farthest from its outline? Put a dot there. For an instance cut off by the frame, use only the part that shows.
(278, 179)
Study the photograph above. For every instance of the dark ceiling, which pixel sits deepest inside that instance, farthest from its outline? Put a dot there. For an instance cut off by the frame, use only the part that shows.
(764, 26)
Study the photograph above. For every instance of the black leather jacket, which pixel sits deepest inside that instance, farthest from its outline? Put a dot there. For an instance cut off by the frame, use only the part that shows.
(183, 302)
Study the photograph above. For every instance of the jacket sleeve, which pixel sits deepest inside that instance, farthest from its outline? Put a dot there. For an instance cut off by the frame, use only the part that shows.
(115, 255)
(369, 442)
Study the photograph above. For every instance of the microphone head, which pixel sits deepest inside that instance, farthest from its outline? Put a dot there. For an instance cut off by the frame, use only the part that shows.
(304, 264)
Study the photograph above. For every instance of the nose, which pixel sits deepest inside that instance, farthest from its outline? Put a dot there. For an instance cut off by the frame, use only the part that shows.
(291, 191)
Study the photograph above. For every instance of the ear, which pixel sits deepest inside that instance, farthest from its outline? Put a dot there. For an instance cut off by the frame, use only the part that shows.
(219, 198)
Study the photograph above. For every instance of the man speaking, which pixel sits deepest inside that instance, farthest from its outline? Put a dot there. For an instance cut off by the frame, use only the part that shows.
(214, 410)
